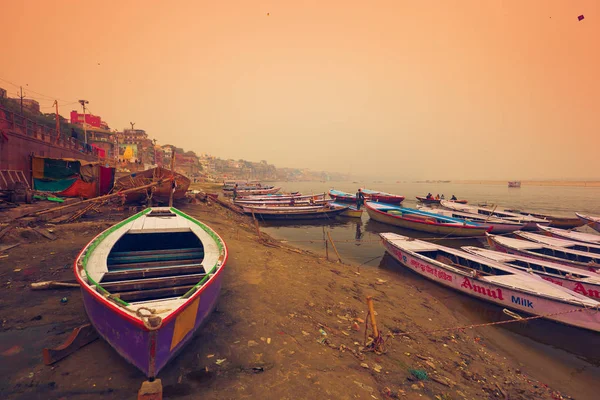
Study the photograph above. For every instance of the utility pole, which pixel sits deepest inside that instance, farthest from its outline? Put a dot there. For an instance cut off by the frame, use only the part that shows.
(21, 97)
(132, 125)
(57, 122)
(83, 103)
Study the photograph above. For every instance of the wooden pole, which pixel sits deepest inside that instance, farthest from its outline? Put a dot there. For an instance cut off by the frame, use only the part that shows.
(372, 316)
(256, 225)
(57, 122)
(173, 184)
(327, 249)
(334, 248)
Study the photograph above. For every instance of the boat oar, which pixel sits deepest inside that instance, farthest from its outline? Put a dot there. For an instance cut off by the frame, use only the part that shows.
(52, 285)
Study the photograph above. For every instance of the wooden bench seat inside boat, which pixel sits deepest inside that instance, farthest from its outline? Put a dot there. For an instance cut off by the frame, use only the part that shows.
(154, 266)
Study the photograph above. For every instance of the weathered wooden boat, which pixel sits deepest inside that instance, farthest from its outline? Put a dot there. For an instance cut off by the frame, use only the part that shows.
(411, 218)
(592, 222)
(250, 192)
(259, 208)
(540, 251)
(432, 200)
(382, 197)
(494, 282)
(571, 235)
(296, 213)
(575, 279)
(555, 221)
(514, 184)
(282, 197)
(344, 197)
(286, 203)
(351, 212)
(568, 244)
(530, 222)
(160, 193)
(151, 281)
(495, 225)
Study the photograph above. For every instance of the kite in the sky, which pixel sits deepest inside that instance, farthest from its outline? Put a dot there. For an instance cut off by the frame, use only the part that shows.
(580, 17)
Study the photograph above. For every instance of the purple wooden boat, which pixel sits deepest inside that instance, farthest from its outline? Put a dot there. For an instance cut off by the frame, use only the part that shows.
(150, 282)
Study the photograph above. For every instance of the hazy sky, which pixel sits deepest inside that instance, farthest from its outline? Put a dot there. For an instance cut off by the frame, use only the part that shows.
(438, 89)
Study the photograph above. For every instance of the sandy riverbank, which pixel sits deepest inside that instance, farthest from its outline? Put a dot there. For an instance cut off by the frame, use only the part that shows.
(267, 328)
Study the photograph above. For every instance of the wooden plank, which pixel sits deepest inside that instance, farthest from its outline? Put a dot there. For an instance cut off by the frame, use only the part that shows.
(8, 246)
(6, 230)
(143, 252)
(80, 336)
(155, 264)
(45, 233)
(114, 276)
(153, 294)
(154, 257)
(153, 283)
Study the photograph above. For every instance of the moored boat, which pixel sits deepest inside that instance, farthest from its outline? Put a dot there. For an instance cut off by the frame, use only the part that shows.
(149, 282)
(159, 193)
(249, 192)
(351, 212)
(531, 223)
(494, 282)
(555, 221)
(495, 225)
(290, 202)
(575, 279)
(592, 222)
(345, 197)
(282, 197)
(568, 244)
(571, 235)
(540, 251)
(382, 197)
(411, 218)
(433, 200)
(296, 213)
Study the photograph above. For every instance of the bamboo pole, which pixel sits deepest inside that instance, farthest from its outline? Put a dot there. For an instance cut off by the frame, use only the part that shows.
(372, 316)
(334, 248)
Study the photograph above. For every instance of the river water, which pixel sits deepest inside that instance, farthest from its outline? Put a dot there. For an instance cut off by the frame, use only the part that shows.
(567, 356)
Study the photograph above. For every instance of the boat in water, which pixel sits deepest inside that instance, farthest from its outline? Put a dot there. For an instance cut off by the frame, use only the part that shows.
(418, 220)
(567, 244)
(433, 200)
(592, 222)
(344, 197)
(555, 221)
(531, 223)
(351, 212)
(540, 251)
(295, 213)
(575, 279)
(151, 281)
(495, 225)
(383, 197)
(514, 184)
(251, 192)
(493, 282)
(571, 235)
(160, 193)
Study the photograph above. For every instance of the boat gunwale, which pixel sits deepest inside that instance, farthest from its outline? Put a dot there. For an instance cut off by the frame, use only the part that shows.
(118, 304)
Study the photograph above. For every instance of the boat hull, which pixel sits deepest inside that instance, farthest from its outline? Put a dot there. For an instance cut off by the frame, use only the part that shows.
(148, 350)
(565, 313)
(385, 198)
(425, 200)
(417, 225)
(575, 236)
(307, 215)
(592, 223)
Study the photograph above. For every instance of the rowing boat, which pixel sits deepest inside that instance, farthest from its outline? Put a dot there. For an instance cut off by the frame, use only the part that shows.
(295, 213)
(555, 221)
(433, 200)
(496, 225)
(418, 220)
(592, 222)
(345, 197)
(540, 251)
(159, 193)
(151, 281)
(531, 223)
(575, 279)
(571, 235)
(382, 197)
(568, 244)
(351, 212)
(281, 197)
(250, 192)
(494, 282)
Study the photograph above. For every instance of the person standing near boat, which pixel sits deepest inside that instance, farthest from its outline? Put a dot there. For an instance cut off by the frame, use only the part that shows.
(453, 198)
(360, 198)
(235, 191)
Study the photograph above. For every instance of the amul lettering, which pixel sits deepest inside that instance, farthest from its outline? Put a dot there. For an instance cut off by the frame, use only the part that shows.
(589, 292)
(491, 293)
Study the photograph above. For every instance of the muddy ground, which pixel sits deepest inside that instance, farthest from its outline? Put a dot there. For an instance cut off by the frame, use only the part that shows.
(283, 330)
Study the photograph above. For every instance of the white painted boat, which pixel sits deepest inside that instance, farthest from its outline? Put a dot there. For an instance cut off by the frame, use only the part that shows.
(496, 225)
(567, 244)
(260, 208)
(575, 279)
(530, 222)
(571, 235)
(290, 202)
(592, 222)
(283, 197)
(494, 282)
(560, 255)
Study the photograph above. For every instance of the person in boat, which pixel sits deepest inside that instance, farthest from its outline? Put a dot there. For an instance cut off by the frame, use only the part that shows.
(442, 197)
(429, 196)
(453, 198)
(437, 196)
(292, 202)
(360, 198)
(235, 191)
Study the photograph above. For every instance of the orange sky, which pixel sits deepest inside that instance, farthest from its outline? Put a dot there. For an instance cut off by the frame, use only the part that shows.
(446, 89)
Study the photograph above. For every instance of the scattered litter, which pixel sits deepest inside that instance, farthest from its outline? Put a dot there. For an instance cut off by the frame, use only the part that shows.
(262, 339)
(355, 326)
(377, 368)
(419, 374)
(12, 351)
(366, 387)
(252, 343)
(345, 333)
(323, 332)
(220, 361)
(380, 281)
(17, 270)
(432, 365)
(359, 320)
(268, 340)
(364, 365)
(342, 318)
(305, 333)
(210, 356)
(258, 370)
(64, 300)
